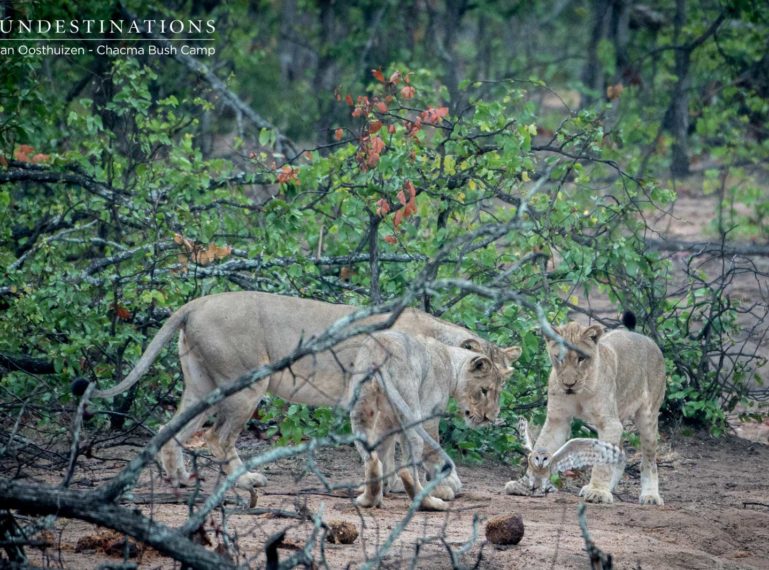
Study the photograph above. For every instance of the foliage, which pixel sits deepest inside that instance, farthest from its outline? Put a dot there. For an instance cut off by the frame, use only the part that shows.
(141, 189)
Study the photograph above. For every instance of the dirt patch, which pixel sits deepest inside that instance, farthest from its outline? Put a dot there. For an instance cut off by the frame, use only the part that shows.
(716, 515)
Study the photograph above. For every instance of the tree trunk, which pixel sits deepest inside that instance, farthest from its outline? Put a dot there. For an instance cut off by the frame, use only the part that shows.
(678, 112)
(324, 72)
(592, 74)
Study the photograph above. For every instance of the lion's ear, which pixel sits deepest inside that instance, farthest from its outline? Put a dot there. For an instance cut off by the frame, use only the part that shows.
(480, 365)
(471, 344)
(512, 353)
(593, 332)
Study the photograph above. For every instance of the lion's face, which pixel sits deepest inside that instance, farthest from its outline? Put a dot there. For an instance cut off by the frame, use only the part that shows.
(573, 369)
(480, 386)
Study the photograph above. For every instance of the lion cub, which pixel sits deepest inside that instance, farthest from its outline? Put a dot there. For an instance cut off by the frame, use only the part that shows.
(400, 388)
(620, 376)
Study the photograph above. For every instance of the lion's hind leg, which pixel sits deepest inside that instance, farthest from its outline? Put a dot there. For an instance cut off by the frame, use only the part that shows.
(232, 416)
(647, 422)
(196, 385)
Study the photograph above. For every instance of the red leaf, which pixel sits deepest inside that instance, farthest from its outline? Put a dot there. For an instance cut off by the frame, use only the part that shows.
(408, 92)
(348, 100)
(402, 197)
(338, 134)
(433, 115)
(22, 152)
(372, 160)
(287, 174)
(382, 207)
(374, 126)
(410, 187)
(377, 73)
(377, 145)
(397, 219)
(122, 313)
(413, 128)
(391, 129)
(381, 107)
(395, 78)
(391, 239)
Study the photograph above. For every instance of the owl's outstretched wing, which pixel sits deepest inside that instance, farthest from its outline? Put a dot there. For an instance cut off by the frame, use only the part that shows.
(580, 452)
(523, 433)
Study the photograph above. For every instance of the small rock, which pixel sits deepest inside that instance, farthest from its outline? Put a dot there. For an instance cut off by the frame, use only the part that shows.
(341, 532)
(505, 529)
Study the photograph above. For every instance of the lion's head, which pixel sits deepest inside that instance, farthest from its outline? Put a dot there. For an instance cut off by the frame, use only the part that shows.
(480, 384)
(573, 369)
(502, 357)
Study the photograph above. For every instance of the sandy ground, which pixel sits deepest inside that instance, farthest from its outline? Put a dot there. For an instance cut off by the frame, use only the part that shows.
(716, 514)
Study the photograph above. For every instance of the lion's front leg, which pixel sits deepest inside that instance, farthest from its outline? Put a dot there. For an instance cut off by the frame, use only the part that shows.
(368, 424)
(410, 475)
(372, 485)
(451, 486)
(386, 451)
(603, 478)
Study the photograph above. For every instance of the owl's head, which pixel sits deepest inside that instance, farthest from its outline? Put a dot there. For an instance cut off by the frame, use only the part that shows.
(539, 459)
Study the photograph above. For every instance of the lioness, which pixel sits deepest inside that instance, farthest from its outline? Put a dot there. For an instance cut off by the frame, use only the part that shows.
(402, 381)
(224, 336)
(622, 377)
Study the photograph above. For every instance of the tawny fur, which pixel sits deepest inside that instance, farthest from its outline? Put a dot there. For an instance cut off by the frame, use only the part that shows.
(402, 387)
(222, 337)
(620, 376)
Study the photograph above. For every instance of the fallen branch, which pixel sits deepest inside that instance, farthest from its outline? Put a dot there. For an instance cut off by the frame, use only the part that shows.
(40, 174)
(25, 363)
(746, 504)
(707, 247)
(44, 500)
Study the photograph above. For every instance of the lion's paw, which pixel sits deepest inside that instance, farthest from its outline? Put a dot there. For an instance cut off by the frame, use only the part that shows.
(596, 495)
(367, 502)
(651, 499)
(251, 480)
(518, 487)
(444, 492)
(183, 479)
(453, 482)
(433, 504)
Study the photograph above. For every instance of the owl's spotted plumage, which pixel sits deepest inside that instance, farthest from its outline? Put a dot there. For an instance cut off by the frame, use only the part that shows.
(575, 453)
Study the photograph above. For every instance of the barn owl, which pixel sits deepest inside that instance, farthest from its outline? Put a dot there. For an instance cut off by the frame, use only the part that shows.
(573, 454)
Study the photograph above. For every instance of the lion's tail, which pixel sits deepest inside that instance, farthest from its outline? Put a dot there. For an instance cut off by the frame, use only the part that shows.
(166, 332)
